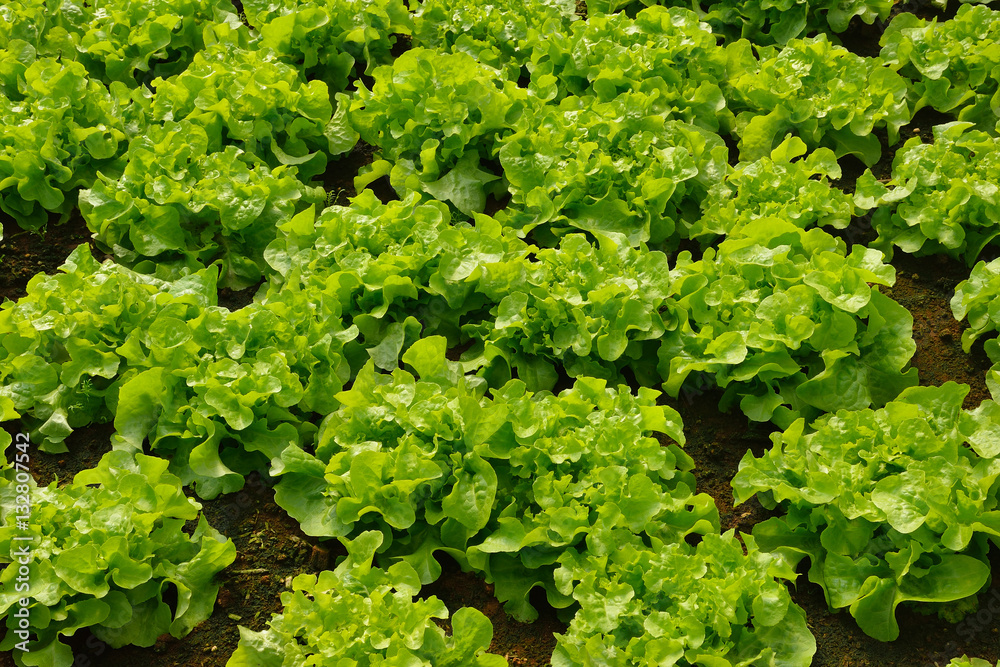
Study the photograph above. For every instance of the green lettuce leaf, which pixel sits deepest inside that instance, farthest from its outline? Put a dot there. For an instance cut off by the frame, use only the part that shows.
(107, 549)
(787, 184)
(359, 614)
(437, 118)
(674, 604)
(247, 97)
(950, 64)
(178, 202)
(942, 197)
(59, 128)
(326, 38)
(788, 323)
(219, 392)
(505, 483)
(615, 168)
(788, 90)
(668, 54)
(498, 33)
(890, 506)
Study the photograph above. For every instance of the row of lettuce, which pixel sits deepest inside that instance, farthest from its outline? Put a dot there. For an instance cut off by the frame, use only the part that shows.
(426, 338)
(430, 457)
(242, 123)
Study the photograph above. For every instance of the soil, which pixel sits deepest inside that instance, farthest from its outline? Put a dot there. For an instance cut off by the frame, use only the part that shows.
(272, 549)
(24, 253)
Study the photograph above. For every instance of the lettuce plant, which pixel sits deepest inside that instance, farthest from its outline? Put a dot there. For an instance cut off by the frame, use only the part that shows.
(789, 90)
(358, 614)
(942, 197)
(40, 28)
(966, 661)
(107, 552)
(498, 33)
(176, 201)
(781, 185)
(116, 40)
(649, 605)
(126, 39)
(223, 392)
(504, 484)
(404, 269)
(248, 98)
(326, 39)
(435, 118)
(61, 357)
(587, 310)
(666, 53)
(789, 323)
(978, 298)
(952, 65)
(59, 128)
(220, 392)
(393, 266)
(890, 506)
(616, 167)
(771, 22)
(776, 22)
